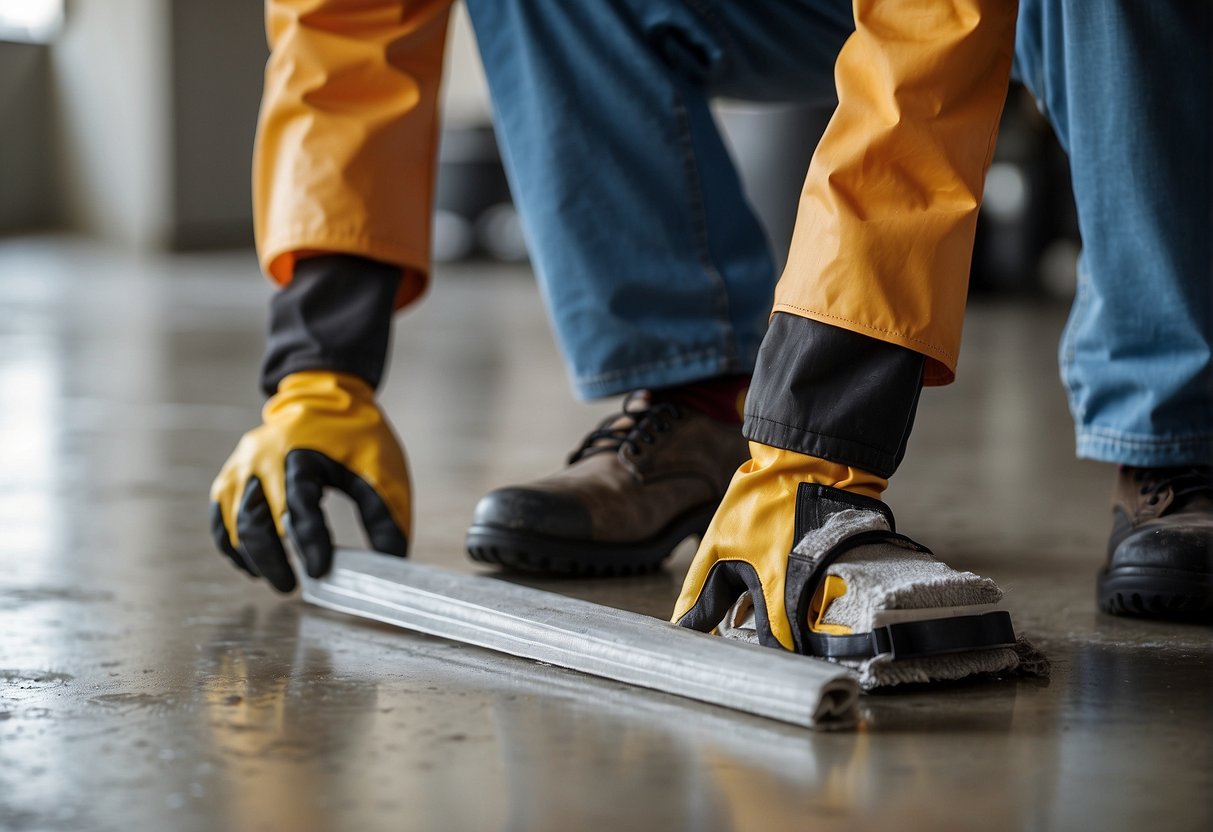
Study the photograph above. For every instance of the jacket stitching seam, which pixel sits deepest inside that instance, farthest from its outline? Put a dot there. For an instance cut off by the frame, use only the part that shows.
(945, 353)
(807, 432)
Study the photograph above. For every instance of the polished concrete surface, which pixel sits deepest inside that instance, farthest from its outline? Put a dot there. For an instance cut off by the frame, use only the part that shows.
(145, 684)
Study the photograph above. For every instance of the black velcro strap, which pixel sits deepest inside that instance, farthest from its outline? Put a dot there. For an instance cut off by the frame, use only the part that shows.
(816, 503)
(917, 639)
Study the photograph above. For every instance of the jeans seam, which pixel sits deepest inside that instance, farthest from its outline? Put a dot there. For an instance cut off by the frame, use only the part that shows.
(1107, 448)
(699, 229)
(665, 363)
(1068, 352)
(1107, 434)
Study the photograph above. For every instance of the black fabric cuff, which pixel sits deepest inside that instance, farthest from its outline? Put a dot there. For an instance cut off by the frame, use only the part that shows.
(336, 314)
(835, 394)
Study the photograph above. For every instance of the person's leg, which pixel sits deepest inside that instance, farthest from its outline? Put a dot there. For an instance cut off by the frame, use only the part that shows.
(654, 268)
(1126, 85)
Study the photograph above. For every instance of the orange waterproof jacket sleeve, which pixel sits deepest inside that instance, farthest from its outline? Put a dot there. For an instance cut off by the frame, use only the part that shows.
(346, 138)
(884, 236)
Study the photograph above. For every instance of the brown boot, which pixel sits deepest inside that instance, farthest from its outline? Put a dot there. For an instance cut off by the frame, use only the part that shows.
(640, 484)
(1160, 556)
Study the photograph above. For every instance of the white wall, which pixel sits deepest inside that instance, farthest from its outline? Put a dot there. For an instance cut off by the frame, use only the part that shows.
(465, 93)
(110, 73)
(136, 125)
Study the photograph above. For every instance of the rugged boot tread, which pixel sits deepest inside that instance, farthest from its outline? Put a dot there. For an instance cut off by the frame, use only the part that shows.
(537, 554)
(1156, 593)
(1160, 554)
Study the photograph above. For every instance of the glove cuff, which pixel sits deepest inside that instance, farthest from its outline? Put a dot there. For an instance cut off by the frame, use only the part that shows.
(335, 314)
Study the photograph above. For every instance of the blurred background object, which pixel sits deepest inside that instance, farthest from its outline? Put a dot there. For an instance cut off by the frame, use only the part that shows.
(34, 21)
(132, 121)
(1027, 232)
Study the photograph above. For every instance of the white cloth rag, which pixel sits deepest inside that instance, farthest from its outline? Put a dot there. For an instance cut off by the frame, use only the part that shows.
(895, 576)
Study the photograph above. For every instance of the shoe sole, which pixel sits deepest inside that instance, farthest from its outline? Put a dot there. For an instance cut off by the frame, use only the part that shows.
(533, 553)
(1152, 592)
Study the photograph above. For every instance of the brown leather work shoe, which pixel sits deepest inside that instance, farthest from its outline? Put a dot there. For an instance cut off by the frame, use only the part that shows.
(640, 483)
(1160, 556)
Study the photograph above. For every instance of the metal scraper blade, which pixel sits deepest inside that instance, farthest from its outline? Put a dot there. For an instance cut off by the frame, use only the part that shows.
(590, 638)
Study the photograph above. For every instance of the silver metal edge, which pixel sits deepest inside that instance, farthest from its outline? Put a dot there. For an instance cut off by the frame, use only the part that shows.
(590, 638)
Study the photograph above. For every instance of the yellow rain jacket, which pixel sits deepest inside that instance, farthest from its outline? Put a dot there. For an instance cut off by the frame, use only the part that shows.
(345, 153)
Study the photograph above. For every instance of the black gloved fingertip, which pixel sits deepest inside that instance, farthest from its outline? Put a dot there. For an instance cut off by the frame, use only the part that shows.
(259, 541)
(282, 580)
(724, 584)
(223, 542)
(389, 541)
(315, 548)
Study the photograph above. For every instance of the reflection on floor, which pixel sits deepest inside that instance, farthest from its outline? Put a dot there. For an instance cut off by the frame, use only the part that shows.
(145, 684)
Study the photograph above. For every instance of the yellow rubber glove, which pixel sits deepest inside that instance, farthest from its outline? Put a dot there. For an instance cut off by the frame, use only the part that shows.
(747, 544)
(320, 430)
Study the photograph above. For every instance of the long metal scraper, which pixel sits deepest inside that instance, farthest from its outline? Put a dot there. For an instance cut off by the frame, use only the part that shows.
(590, 638)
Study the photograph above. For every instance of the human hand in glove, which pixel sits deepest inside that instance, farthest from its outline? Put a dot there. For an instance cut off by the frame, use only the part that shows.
(748, 544)
(320, 430)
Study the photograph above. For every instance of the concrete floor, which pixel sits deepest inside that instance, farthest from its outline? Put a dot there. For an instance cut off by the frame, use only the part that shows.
(145, 684)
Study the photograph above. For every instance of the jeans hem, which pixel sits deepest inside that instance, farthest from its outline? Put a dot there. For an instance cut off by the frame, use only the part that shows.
(1143, 451)
(665, 372)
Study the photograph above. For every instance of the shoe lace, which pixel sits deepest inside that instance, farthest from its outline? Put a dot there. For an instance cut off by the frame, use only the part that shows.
(637, 424)
(1183, 482)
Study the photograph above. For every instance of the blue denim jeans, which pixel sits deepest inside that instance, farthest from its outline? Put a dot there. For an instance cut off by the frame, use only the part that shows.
(656, 272)
(654, 268)
(1126, 85)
